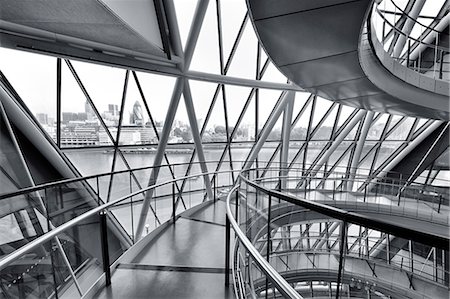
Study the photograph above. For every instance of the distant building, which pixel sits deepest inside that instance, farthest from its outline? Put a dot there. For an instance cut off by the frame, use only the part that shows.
(137, 117)
(90, 115)
(42, 118)
(113, 109)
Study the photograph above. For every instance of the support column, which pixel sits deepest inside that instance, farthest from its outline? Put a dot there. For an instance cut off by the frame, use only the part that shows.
(199, 15)
(359, 148)
(407, 28)
(196, 136)
(286, 134)
(267, 129)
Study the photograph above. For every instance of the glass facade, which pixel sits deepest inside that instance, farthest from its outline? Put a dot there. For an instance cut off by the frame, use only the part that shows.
(126, 128)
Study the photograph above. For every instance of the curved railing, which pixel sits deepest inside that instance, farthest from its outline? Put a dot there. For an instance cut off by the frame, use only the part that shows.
(407, 48)
(68, 258)
(264, 217)
(57, 260)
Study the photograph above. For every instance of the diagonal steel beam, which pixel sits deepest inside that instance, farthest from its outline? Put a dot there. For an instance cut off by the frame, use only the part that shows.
(287, 97)
(286, 133)
(196, 136)
(194, 32)
(359, 147)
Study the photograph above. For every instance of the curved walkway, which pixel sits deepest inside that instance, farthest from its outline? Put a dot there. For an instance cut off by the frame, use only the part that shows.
(321, 47)
(184, 260)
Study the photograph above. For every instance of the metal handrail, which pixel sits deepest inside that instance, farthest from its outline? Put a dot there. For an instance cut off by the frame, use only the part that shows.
(356, 218)
(89, 177)
(8, 259)
(281, 284)
(414, 20)
(445, 49)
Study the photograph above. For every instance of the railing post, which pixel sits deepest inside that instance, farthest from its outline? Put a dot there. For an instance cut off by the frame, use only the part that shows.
(440, 202)
(215, 187)
(334, 188)
(173, 202)
(227, 251)
(268, 239)
(343, 244)
(365, 193)
(409, 52)
(441, 65)
(105, 252)
(237, 205)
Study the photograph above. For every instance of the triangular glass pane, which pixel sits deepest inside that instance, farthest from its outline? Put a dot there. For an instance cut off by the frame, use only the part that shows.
(377, 127)
(346, 111)
(368, 147)
(364, 166)
(387, 148)
(243, 64)
(321, 108)
(246, 129)
(22, 70)
(402, 131)
(236, 99)
(184, 10)
(202, 96)
(215, 130)
(299, 131)
(136, 127)
(181, 130)
(233, 13)
(80, 126)
(325, 130)
(157, 92)
(395, 119)
(267, 100)
(106, 94)
(340, 155)
(420, 123)
(275, 133)
(352, 134)
(206, 56)
(266, 153)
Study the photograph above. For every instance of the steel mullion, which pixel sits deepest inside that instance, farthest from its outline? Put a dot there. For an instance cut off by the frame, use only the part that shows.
(266, 123)
(308, 132)
(354, 143)
(257, 77)
(378, 142)
(88, 97)
(330, 142)
(241, 116)
(122, 107)
(333, 167)
(152, 121)
(228, 63)
(58, 102)
(314, 131)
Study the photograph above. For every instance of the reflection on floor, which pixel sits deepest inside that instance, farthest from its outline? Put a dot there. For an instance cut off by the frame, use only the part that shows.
(185, 261)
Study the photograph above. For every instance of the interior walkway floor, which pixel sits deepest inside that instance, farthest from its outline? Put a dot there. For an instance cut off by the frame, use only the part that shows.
(185, 260)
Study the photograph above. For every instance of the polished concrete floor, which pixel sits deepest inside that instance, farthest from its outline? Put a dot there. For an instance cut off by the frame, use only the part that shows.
(185, 261)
